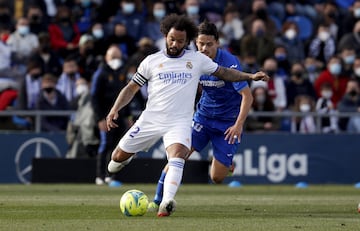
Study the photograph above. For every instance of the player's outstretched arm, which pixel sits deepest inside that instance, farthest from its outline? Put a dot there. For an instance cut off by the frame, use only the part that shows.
(233, 75)
(124, 97)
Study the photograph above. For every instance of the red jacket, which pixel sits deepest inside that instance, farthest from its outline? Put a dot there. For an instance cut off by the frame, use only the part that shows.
(338, 85)
(57, 38)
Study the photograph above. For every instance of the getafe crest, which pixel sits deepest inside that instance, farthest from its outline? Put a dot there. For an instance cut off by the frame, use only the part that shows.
(189, 65)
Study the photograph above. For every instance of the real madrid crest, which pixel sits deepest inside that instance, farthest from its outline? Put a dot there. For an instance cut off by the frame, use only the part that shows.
(189, 65)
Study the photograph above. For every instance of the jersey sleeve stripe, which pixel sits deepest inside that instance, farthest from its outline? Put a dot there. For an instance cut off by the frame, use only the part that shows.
(139, 79)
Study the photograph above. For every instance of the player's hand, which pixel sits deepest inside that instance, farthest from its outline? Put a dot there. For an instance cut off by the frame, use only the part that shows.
(260, 76)
(233, 134)
(110, 120)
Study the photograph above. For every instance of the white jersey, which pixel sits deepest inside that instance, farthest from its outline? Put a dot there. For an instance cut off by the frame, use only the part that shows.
(172, 83)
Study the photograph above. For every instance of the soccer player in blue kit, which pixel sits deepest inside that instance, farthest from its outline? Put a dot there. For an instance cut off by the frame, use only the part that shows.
(220, 114)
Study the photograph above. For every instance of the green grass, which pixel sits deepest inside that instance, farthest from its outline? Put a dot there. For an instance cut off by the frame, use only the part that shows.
(200, 207)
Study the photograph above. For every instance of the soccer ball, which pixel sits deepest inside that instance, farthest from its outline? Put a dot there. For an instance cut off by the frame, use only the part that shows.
(134, 203)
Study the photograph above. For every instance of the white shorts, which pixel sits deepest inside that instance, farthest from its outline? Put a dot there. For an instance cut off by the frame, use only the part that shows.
(145, 133)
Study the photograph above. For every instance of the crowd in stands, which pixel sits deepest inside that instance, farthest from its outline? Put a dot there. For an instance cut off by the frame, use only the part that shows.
(78, 54)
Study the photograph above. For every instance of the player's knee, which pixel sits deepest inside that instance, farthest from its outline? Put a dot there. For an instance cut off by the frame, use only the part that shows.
(217, 179)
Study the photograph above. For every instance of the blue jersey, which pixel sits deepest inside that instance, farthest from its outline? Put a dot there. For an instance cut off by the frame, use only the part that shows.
(220, 100)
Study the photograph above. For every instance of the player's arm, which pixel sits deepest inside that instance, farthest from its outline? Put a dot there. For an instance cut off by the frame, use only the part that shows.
(233, 75)
(233, 133)
(124, 97)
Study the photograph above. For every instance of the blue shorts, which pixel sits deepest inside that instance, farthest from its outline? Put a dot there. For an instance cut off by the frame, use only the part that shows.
(207, 130)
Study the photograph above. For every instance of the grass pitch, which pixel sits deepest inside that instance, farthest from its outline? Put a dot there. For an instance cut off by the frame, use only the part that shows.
(199, 207)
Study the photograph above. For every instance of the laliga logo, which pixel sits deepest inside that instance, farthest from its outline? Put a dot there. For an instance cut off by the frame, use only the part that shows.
(274, 166)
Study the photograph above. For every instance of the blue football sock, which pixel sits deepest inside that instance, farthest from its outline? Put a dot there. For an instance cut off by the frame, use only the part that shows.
(159, 189)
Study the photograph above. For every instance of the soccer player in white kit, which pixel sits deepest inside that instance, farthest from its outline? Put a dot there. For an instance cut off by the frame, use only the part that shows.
(172, 76)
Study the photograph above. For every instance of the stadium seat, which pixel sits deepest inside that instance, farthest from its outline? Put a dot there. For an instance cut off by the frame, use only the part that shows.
(305, 25)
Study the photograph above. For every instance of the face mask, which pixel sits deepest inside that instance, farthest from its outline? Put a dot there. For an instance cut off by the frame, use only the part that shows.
(260, 33)
(159, 13)
(80, 89)
(260, 99)
(298, 74)
(98, 33)
(349, 59)
(280, 57)
(357, 13)
(305, 107)
(270, 73)
(353, 93)
(326, 94)
(192, 10)
(115, 64)
(290, 34)
(357, 72)
(23, 30)
(71, 75)
(324, 35)
(128, 8)
(49, 89)
(311, 68)
(335, 68)
(35, 76)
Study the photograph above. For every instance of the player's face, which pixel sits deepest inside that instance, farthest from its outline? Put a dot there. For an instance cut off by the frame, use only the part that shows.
(207, 45)
(176, 42)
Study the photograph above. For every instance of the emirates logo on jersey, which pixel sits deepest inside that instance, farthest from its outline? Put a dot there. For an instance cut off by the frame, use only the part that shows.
(189, 65)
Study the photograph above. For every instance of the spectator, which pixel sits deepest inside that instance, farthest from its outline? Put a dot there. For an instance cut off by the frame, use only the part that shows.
(5, 56)
(262, 103)
(100, 46)
(130, 17)
(351, 16)
(258, 42)
(82, 134)
(6, 19)
(322, 46)
(52, 99)
(258, 11)
(231, 27)
(347, 55)
(51, 61)
(298, 84)
(352, 38)
(64, 34)
(324, 106)
(275, 86)
(29, 93)
(86, 58)
(191, 8)
(330, 15)
(66, 83)
(306, 122)
(313, 68)
(22, 43)
(123, 40)
(332, 75)
(37, 21)
(282, 58)
(350, 103)
(84, 13)
(106, 84)
(290, 39)
(153, 23)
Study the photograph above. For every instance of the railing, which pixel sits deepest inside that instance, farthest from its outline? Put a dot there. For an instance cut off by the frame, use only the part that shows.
(37, 114)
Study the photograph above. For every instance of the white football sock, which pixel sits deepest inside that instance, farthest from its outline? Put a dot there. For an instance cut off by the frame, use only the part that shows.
(173, 177)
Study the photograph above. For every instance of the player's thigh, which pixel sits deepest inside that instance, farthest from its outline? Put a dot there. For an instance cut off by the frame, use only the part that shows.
(200, 136)
(140, 137)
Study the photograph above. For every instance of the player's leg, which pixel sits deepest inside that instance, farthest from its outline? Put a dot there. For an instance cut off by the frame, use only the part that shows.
(222, 160)
(119, 159)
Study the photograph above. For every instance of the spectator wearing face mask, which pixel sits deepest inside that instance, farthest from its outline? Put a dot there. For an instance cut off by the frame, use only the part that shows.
(305, 123)
(324, 106)
(153, 22)
(99, 36)
(122, 39)
(191, 8)
(347, 55)
(37, 20)
(262, 103)
(322, 47)
(52, 99)
(22, 43)
(130, 16)
(86, 58)
(352, 38)
(282, 59)
(290, 39)
(332, 75)
(82, 134)
(298, 84)
(108, 80)
(351, 16)
(350, 103)
(356, 69)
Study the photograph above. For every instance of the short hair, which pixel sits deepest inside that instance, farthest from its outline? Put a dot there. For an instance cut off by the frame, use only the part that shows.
(207, 28)
(179, 22)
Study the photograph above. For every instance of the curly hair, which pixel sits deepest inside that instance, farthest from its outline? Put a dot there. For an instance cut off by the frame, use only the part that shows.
(179, 22)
